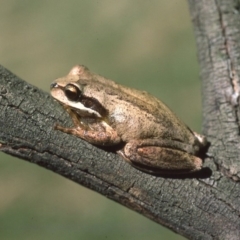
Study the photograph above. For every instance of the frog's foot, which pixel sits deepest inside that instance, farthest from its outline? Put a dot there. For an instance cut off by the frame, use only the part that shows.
(154, 158)
(201, 139)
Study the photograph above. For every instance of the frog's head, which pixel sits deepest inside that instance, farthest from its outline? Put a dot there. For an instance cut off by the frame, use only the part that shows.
(75, 91)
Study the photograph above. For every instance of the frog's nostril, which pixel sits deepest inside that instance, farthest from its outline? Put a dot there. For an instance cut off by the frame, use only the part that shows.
(53, 85)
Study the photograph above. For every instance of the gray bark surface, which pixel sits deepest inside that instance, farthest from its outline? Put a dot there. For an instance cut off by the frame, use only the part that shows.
(201, 206)
(217, 31)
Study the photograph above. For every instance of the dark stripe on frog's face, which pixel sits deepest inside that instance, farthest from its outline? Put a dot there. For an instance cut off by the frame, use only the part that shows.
(94, 105)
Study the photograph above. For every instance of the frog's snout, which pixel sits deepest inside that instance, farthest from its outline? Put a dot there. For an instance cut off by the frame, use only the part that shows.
(53, 85)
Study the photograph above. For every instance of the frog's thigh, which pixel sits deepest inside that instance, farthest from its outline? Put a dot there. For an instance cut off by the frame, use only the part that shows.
(159, 158)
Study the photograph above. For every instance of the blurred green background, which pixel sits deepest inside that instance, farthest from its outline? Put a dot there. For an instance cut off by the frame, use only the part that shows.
(148, 45)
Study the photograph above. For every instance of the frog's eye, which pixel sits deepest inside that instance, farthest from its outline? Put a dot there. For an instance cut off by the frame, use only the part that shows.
(72, 92)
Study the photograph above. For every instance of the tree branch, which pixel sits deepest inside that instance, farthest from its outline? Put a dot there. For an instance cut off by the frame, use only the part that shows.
(188, 206)
(217, 31)
(194, 206)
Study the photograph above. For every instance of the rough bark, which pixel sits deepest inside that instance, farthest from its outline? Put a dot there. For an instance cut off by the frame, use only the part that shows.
(199, 206)
(217, 31)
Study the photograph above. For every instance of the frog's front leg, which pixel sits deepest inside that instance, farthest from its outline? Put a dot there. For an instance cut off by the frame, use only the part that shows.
(107, 137)
(161, 156)
(98, 133)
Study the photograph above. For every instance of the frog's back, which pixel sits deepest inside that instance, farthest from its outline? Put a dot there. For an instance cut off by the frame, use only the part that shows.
(136, 104)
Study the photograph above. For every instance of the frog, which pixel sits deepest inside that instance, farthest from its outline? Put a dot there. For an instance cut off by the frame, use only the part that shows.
(142, 129)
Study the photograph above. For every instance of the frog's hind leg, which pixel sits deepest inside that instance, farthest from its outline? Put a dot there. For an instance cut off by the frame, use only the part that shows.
(154, 156)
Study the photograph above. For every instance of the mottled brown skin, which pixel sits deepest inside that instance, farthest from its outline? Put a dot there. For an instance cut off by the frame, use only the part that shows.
(106, 114)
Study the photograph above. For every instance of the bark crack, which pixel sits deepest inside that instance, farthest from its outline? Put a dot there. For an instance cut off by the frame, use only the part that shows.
(233, 76)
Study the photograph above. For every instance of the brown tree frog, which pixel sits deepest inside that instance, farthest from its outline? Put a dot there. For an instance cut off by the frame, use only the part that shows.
(105, 113)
